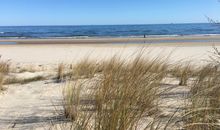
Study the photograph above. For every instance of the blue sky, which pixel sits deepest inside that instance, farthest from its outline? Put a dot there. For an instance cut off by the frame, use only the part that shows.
(95, 12)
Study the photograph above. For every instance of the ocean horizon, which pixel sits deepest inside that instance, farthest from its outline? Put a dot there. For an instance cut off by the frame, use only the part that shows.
(90, 31)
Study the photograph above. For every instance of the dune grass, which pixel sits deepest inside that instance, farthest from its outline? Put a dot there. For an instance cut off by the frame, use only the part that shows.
(85, 68)
(183, 71)
(1, 81)
(203, 112)
(4, 70)
(60, 72)
(121, 99)
(203, 109)
(122, 94)
(215, 56)
(126, 94)
(4, 66)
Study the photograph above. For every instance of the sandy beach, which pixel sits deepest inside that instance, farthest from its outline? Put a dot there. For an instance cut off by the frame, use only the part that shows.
(54, 51)
(109, 65)
(31, 105)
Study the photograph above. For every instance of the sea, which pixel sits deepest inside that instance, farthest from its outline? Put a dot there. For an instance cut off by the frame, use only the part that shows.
(94, 31)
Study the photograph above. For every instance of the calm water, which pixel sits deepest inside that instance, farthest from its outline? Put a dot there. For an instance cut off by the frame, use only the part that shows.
(107, 30)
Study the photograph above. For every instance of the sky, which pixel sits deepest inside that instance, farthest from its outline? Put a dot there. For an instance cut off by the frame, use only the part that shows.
(106, 12)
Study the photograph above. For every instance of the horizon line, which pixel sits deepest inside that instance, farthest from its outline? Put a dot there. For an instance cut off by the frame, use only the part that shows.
(105, 24)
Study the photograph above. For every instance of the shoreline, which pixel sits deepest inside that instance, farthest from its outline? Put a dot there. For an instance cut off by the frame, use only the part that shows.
(179, 40)
(54, 51)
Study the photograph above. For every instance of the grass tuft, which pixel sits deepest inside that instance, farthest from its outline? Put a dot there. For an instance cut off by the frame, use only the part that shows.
(124, 95)
(85, 68)
(4, 70)
(60, 72)
(183, 72)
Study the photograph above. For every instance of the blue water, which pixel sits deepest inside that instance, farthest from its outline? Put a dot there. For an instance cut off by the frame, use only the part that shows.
(107, 30)
(7, 43)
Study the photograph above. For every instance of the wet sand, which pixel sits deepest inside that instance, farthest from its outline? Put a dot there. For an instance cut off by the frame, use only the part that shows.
(162, 41)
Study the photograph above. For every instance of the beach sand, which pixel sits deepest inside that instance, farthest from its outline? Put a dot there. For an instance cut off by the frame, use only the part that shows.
(31, 105)
(52, 51)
